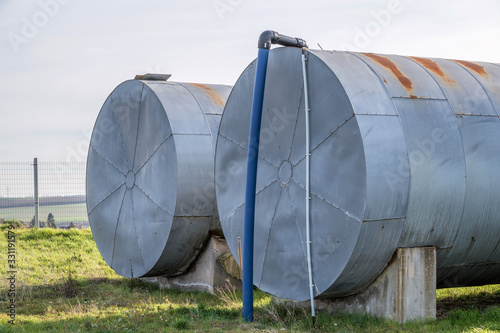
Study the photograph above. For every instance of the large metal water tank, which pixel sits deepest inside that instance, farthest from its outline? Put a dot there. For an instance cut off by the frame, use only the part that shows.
(150, 174)
(404, 153)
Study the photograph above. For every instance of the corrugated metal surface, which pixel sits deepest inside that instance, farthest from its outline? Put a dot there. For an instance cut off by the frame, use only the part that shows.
(404, 153)
(150, 176)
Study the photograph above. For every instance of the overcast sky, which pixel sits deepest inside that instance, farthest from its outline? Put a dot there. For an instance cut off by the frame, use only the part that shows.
(60, 59)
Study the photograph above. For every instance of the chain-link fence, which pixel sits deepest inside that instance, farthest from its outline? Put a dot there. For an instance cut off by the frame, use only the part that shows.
(61, 193)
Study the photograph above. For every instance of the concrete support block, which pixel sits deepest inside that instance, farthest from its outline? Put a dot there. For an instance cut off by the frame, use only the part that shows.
(405, 290)
(213, 268)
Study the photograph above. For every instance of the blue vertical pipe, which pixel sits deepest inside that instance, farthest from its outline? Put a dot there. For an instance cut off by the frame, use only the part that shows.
(267, 38)
(251, 182)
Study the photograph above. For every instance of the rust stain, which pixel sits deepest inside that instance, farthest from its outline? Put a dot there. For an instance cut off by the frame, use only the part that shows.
(413, 97)
(387, 63)
(475, 67)
(433, 67)
(214, 95)
(385, 81)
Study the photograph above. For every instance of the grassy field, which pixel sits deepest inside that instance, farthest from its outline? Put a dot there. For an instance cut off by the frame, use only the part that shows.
(63, 285)
(62, 213)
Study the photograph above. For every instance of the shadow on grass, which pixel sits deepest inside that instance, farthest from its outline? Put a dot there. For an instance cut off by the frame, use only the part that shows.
(110, 305)
(480, 301)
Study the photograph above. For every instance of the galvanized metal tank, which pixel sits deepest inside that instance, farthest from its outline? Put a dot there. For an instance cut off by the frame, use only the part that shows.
(404, 153)
(150, 174)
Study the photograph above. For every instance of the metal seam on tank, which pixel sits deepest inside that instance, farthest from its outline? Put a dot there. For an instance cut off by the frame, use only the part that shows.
(384, 87)
(488, 263)
(388, 96)
(133, 166)
(164, 209)
(138, 124)
(121, 135)
(194, 216)
(155, 93)
(274, 181)
(105, 159)
(377, 114)
(431, 66)
(356, 114)
(327, 137)
(246, 148)
(265, 114)
(440, 88)
(383, 220)
(112, 190)
(296, 122)
(169, 125)
(463, 150)
(478, 115)
(346, 95)
(465, 157)
(232, 212)
(153, 153)
(87, 166)
(198, 134)
(204, 116)
(123, 141)
(312, 150)
(116, 227)
(473, 66)
(300, 236)
(295, 217)
(444, 94)
(295, 128)
(479, 82)
(388, 63)
(136, 234)
(330, 203)
(269, 235)
(423, 98)
(241, 205)
(356, 286)
(107, 196)
(252, 64)
(338, 208)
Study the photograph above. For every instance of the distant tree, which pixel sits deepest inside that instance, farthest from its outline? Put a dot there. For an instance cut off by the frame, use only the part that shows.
(51, 222)
(32, 223)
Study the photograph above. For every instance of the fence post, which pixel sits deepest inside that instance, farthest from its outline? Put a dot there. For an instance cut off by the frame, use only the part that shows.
(35, 172)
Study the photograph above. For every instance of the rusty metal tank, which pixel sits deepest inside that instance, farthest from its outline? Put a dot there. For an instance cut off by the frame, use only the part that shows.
(150, 174)
(404, 153)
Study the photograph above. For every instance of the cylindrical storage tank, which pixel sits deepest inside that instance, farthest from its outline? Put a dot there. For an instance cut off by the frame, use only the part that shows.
(404, 153)
(150, 175)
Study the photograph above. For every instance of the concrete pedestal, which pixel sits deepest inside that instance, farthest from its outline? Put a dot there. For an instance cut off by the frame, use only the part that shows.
(406, 289)
(213, 268)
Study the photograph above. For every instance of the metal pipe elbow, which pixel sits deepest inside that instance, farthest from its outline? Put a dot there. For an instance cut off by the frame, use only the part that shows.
(269, 37)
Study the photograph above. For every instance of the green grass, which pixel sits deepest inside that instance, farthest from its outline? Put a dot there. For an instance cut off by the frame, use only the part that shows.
(65, 286)
(62, 213)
